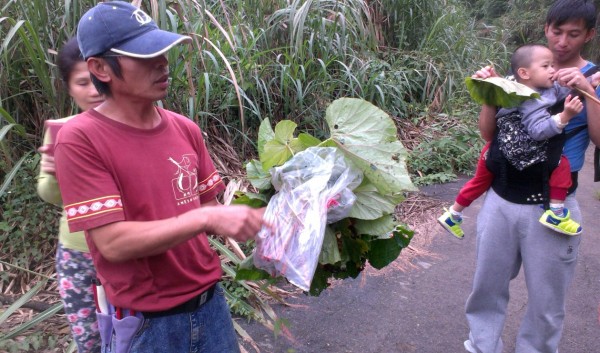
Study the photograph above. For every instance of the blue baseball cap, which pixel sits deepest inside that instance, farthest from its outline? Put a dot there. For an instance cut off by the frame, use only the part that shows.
(124, 29)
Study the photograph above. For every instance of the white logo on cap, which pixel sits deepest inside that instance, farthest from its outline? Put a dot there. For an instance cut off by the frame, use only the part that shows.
(141, 17)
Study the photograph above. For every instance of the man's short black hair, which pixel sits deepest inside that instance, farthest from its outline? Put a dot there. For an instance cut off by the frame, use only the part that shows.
(563, 11)
(113, 62)
(522, 57)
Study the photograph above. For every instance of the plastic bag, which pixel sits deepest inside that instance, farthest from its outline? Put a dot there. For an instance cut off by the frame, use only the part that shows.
(313, 188)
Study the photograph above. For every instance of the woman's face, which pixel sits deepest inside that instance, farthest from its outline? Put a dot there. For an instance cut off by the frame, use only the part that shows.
(81, 88)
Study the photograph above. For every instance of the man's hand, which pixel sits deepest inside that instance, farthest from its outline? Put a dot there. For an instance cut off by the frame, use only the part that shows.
(573, 78)
(121, 241)
(595, 79)
(237, 222)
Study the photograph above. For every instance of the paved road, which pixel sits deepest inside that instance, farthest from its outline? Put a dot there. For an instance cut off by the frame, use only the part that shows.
(422, 310)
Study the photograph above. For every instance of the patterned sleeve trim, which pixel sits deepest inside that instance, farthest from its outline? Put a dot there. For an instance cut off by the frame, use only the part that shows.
(94, 207)
(209, 183)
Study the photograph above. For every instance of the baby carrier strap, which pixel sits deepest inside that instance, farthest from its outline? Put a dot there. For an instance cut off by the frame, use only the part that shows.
(529, 185)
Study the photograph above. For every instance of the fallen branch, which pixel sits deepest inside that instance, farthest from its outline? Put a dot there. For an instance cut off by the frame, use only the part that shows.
(32, 304)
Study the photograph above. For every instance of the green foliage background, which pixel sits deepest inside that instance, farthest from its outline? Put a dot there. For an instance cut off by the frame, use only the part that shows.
(521, 22)
(257, 59)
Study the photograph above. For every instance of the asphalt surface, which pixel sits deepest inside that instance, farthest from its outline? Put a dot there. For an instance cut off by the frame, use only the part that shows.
(422, 310)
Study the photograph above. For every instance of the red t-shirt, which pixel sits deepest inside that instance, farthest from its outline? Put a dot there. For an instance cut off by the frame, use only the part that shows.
(114, 172)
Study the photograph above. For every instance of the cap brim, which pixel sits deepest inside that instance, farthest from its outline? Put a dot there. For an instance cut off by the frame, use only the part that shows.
(151, 44)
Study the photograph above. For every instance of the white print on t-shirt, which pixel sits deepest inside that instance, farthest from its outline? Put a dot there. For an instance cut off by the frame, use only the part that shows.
(185, 182)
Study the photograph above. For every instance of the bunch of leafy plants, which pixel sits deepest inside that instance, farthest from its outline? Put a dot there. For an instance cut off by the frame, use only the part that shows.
(370, 233)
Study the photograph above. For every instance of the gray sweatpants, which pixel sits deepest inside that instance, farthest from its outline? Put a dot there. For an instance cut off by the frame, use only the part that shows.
(509, 235)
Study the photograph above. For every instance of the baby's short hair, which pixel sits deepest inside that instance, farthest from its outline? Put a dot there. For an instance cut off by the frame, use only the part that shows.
(522, 57)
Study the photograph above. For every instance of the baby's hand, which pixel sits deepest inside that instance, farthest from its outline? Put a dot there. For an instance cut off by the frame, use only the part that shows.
(573, 106)
(485, 72)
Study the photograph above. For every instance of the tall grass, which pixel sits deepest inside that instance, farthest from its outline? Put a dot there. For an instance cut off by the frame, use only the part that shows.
(29, 88)
(253, 59)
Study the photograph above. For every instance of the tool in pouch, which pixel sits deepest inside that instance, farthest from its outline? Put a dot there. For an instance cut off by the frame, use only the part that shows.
(114, 322)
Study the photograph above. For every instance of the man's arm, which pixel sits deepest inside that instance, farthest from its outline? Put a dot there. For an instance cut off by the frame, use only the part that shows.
(593, 118)
(126, 240)
(487, 122)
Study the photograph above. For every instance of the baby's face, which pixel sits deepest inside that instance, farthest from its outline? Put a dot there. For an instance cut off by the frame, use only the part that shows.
(541, 68)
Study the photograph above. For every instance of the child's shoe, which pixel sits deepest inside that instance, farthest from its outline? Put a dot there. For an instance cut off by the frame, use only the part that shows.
(451, 225)
(564, 225)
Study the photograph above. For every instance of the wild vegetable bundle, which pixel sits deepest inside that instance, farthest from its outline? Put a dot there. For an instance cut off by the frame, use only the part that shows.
(332, 202)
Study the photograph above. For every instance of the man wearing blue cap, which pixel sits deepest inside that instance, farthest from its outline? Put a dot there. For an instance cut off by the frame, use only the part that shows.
(139, 181)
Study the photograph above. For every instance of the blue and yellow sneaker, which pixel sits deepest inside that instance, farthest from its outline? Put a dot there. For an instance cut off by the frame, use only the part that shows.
(564, 225)
(451, 225)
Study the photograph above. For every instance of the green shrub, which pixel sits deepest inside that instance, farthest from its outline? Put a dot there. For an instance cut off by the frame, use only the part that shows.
(28, 227)
(450, 144)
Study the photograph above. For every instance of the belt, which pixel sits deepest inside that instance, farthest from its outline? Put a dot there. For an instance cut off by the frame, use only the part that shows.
(187, 307)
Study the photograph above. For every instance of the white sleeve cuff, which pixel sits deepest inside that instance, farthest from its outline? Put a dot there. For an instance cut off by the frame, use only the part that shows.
(559, 124)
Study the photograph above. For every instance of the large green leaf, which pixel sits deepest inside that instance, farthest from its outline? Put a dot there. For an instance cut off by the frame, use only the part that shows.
(384, 251)
(308, 140)
(265, 134)
(370, 204)
(330, 252)
(368, 138)
(257, 176)
(249, 199)
(367, 135)
(499, 92)
(354, 248)
(279, 146)
(282, 147)
(248, 272)
(320, 281)
(377, 227)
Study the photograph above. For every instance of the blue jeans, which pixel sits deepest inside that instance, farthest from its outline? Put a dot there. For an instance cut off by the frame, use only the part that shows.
(209, 329)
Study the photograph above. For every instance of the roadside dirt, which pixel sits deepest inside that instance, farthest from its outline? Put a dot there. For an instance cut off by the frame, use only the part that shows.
(419, 306)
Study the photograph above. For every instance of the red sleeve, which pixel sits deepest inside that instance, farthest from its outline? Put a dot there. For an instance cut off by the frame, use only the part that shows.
(210, 183)
(90, 195)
